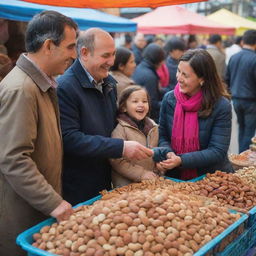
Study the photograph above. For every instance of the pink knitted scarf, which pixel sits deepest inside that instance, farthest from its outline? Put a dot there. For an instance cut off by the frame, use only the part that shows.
(185, 129)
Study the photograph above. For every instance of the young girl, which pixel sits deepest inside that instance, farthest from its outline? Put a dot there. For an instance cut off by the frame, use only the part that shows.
(133, 124)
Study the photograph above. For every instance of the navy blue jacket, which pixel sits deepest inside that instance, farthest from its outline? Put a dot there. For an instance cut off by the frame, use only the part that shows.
(172, 66)
(214, 137)
(88, 118)
(146, 76)
(241, 75)
(137, 54)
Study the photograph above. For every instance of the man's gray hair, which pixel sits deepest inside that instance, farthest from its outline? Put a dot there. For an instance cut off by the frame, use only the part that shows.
(85, 40)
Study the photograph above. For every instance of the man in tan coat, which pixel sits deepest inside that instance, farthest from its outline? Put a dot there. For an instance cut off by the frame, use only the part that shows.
(31, 147)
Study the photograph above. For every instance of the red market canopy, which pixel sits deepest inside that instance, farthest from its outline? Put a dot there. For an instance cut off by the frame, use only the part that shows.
(178, 20)
(112, 3)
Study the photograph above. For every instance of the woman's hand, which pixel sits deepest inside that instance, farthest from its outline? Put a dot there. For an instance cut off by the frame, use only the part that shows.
(171, 162)
(148, 176)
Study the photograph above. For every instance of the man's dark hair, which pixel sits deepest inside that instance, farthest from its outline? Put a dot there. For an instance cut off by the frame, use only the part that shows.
(127, 38)
(122, 56)
(238, 39)
(249, 37)
(215, 39)
(154, 54)
(174, 44)
(46, 25)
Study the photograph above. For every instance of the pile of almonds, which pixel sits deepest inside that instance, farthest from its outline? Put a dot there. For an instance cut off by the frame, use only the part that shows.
(227, 188)
(248, 175)
(151, 222)
(152, 184)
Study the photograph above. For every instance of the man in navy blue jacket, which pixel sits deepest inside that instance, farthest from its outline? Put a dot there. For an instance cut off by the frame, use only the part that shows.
(87, 100)
(138, 47)
(241, 79)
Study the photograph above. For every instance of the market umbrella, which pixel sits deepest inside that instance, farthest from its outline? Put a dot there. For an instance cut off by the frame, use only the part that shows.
(112, 3)
(85, 18)
(178, 20)
(228, 18)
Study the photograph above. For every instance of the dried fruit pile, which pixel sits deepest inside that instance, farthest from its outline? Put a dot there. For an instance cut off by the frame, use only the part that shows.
(227, 188)
(149, 222)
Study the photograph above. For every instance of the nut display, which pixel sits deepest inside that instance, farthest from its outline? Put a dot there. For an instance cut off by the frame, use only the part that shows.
(227, 188)
(151, 222)
(153, 184)
(244, 159)
(248, 175)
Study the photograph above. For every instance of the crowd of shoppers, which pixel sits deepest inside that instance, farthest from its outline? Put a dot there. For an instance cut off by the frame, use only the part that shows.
(241, 80)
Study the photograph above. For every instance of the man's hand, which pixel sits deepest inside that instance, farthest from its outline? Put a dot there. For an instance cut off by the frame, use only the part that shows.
(135, 151)
(63, 211)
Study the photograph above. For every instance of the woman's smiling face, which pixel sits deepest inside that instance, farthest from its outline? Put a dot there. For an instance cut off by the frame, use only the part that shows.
(189, 82)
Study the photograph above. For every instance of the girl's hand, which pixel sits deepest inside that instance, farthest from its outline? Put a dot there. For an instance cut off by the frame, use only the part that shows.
(161, 169)
(148, 176)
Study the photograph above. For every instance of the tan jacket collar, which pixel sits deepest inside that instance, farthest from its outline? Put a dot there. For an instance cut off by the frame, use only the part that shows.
(125, 120)
(33, 72)
(119, 75)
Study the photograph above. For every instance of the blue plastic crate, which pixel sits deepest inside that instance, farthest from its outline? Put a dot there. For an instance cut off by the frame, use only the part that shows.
(173, 179)
(197, 178)
(238, 247)
(25, 239)
(252, 235)
(252, 217)
(192, 180)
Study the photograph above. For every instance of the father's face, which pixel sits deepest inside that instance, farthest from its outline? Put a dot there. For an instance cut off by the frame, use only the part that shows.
(63, 55)
(102, 58)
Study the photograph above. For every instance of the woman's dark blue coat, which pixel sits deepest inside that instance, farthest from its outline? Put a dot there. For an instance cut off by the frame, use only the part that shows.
(214, 137)
(146, 76)
(88, 118)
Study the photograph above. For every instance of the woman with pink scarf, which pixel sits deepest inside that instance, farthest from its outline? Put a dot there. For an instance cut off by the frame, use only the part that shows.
(195, 121)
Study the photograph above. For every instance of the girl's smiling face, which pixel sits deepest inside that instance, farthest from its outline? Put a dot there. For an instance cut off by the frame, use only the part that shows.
(137, 105)
(189, 82)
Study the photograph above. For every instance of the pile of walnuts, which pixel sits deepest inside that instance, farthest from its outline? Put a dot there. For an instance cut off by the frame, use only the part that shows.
(151, 222)
(248, 175)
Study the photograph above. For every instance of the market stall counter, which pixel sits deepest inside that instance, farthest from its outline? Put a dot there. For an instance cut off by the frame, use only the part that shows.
(148, 218)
